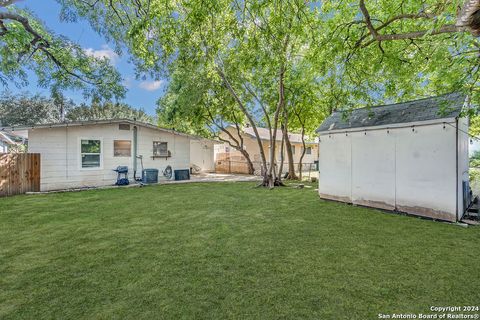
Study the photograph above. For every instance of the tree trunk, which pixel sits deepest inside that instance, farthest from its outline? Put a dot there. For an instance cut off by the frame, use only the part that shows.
(239, 143)
(291, 164)
(271, 176)
(280, 167)
(267, 178)
(288, 146)
(300, 164)
(251, 169)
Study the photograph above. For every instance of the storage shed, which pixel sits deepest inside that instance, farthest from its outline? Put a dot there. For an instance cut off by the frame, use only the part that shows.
(410, 157)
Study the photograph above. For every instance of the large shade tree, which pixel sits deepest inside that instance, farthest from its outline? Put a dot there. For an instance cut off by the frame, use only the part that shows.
(250, 47)
(195, 104)
(352, 52)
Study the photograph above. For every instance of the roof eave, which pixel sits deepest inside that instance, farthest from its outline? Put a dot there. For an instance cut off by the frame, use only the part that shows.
(99, 122)
(389, 126)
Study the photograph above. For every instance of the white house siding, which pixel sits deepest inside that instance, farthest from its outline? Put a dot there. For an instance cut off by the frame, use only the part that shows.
(178, 145)
(60, 154)
(202, 154)
(411, 171)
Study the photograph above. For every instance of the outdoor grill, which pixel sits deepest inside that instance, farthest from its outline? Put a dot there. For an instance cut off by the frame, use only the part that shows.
(122, 176)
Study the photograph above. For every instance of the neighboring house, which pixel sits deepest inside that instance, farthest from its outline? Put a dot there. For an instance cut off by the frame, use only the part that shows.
(83, 154)
(5, 142)
(15, 141)
(251, 146)
(411, 157)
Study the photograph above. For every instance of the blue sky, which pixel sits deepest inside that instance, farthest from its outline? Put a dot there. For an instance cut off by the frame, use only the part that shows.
(140, 94)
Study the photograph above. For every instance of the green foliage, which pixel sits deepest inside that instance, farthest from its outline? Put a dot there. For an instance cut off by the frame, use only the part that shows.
(190, 41)
(475, 159)
(396, 70)
(474, 128)
(330, 59)
(26, 45)
(25, 109)
(107, 110)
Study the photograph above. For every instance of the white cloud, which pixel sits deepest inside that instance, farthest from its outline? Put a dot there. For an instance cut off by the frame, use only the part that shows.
(128, 82)
(104, 52)
(151, 85)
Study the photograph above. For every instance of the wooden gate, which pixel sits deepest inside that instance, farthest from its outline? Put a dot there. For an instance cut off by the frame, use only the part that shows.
(19, 173)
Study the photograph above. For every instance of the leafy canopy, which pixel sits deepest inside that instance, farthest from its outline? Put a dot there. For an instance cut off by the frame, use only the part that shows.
(26, 45)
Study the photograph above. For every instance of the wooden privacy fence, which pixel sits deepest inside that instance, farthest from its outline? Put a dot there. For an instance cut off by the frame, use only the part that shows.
(231, 163)
(19, 173)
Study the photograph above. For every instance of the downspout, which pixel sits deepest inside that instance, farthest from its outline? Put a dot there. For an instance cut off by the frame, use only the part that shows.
(135, 153)
(456, 165)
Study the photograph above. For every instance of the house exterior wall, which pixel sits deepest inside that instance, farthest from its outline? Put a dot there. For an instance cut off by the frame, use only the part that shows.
(202, 155)
(412, 171)
(60, 154)
(251, 146)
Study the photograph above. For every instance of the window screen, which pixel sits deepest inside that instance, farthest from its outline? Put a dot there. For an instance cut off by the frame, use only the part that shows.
(160, 148)
(122, 148)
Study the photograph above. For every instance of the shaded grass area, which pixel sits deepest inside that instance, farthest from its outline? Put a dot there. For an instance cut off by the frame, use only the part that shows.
(225, 251)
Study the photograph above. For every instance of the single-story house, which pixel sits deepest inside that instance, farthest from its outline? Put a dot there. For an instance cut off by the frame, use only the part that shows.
(84, 154)
(253, 150)
(410, 157)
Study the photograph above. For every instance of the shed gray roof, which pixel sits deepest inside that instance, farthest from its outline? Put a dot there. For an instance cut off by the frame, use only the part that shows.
(433, 108)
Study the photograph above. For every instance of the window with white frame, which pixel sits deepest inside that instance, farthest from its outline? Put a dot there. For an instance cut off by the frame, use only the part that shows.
(308, 150)
(293, 149)
(90, 153)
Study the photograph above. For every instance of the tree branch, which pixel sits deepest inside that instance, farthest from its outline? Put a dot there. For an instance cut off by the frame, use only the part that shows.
(373, 32)
(5, 3)
(39, 43)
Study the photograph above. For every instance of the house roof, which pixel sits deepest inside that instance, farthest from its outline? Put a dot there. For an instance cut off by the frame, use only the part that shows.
(433, 108)
(101, 122)
(5, 138)
(264, 134)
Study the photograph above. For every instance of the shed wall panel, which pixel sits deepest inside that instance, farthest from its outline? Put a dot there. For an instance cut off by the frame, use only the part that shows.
(373, 169)
(335, 168)
(426, 165)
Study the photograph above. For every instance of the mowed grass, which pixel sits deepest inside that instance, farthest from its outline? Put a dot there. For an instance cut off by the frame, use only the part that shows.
(225, 251)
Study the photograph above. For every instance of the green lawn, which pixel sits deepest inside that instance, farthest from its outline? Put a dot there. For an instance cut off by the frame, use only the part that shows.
(225, 251)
